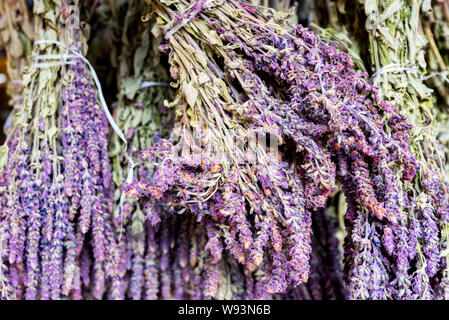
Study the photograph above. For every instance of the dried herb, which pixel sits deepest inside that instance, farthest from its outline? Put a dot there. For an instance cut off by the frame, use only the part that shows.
(238, 69)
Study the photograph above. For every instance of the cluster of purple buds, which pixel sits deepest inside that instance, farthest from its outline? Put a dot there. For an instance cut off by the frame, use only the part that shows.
(57, 198)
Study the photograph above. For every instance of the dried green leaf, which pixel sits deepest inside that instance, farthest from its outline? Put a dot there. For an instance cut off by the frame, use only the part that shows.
(191, 93)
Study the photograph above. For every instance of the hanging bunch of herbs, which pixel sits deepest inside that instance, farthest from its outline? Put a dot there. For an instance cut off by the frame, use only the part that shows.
(161, 259)
(57, 187)
(397, 38)
(16, 35)
(414, 245)
(140, 110)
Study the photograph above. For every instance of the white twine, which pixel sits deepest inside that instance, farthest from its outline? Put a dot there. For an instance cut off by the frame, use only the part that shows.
(76, 55)
(129, 179)
(394, 67)
(147, 84)
(55, 56)
(169, 30)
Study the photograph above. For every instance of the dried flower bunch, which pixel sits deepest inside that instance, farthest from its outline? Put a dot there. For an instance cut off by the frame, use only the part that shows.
(57, 231)
(16, 36)
(140, 111)
(436, 29)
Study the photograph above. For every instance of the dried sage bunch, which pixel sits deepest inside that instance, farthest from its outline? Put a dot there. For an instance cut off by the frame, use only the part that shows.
(57, 196)
(142, 117)
(16, 35)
